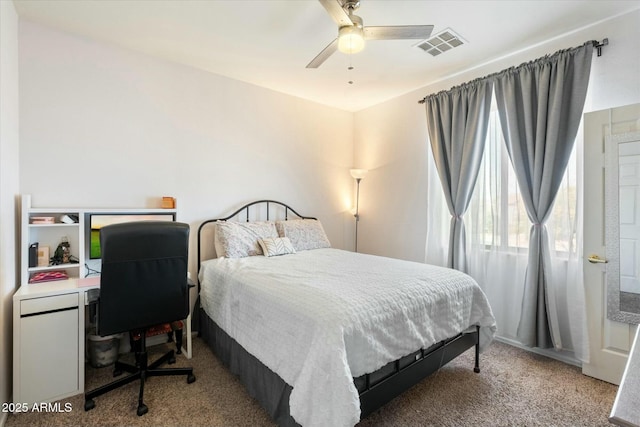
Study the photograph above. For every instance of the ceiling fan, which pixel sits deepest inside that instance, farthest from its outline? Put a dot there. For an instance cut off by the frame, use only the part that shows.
(352, 33)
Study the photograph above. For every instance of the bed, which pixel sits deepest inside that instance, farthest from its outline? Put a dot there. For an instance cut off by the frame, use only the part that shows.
(322, 336)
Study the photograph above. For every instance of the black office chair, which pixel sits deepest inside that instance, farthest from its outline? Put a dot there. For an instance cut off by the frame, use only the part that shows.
(143, 283)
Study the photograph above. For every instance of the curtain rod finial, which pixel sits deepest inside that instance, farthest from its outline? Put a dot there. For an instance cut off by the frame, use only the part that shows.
(598, 45)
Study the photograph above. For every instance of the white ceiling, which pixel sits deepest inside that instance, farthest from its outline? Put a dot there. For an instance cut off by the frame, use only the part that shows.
(269, 42)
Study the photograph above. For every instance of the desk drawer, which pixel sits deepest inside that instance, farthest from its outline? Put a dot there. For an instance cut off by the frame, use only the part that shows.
(47, 304)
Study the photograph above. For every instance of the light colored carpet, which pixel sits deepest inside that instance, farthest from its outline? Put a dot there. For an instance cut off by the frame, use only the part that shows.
(514, 388)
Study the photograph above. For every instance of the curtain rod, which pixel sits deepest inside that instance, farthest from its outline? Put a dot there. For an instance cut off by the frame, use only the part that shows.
(598, 45)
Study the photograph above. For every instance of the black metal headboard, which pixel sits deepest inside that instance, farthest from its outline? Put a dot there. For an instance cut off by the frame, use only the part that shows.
(245, 208)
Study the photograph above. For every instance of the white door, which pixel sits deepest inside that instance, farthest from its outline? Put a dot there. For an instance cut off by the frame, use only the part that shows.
(609, 341)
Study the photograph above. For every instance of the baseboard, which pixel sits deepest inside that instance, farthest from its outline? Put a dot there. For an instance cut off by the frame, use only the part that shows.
(552, 354)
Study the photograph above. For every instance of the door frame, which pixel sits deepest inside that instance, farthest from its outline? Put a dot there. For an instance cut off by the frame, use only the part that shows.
(609, 341)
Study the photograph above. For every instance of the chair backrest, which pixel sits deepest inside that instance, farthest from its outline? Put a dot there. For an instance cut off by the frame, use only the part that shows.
(143, 280)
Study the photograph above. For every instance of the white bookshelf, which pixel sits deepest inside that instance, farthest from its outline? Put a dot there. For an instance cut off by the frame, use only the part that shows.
(51, 235)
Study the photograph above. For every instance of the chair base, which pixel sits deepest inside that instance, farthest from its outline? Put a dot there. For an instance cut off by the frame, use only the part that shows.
(141, 372)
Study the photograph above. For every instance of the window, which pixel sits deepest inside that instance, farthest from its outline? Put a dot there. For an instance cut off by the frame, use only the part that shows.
(497, 217)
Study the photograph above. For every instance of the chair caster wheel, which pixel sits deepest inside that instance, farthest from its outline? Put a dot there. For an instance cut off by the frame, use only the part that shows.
(142, 409)
(476, 370)
(191, 378)
(171, 360)
(89, 404)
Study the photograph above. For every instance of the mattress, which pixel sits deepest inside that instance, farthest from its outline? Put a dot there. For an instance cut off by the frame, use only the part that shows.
(321, 317)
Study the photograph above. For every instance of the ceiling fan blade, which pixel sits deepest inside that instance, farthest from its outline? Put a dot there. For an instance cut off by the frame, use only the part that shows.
(398, 32)
(322, 56)
(337, 13)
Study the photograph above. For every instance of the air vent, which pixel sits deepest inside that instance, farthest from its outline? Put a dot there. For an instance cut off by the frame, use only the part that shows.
(441, 42)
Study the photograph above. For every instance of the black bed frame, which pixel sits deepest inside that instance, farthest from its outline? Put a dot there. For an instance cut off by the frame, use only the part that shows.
(245, 208)
(379, 387)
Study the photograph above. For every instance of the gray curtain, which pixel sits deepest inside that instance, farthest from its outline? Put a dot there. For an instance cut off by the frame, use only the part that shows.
(457, 122)
(540, 105)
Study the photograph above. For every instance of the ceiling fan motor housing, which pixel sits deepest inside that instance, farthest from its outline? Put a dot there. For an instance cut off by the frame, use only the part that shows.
(350, 5)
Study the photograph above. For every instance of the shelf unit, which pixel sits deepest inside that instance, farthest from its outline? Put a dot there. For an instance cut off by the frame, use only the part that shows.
(51, 235)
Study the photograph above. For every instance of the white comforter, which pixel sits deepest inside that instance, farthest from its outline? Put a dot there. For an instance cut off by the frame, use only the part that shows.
(319, 318)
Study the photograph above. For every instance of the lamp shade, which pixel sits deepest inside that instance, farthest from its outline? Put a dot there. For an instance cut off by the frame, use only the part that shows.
(358, 173)
(350, 39)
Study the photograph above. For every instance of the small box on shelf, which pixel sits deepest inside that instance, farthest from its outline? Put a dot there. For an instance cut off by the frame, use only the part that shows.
(43, 256)
(168, 203)
(69, 219)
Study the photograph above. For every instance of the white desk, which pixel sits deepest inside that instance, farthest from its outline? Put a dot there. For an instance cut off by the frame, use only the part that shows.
(49, 339)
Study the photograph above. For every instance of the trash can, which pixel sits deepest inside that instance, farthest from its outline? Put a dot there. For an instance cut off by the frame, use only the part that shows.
(103, 351)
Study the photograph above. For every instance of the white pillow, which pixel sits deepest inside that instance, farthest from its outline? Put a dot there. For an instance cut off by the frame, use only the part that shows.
(304, 234)
(276, 246)
(240, 239)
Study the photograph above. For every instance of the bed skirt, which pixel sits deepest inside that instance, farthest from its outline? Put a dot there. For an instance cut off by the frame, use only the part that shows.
(375, 389)
(264, 385)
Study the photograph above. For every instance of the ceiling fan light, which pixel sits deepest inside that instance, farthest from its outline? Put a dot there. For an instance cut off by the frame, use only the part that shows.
(350, 39)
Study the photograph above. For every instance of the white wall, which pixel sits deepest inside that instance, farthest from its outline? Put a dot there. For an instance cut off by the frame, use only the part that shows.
(9, 128)
(102, 126)
(391, 138)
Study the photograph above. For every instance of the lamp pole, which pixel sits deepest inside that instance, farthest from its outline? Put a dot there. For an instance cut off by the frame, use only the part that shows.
(357, 215)
(357, 174)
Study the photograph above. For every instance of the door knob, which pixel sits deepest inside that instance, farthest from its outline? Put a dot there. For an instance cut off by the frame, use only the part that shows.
(594, 259)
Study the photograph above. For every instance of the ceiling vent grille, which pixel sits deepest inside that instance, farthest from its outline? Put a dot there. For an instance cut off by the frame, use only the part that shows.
(441, 42)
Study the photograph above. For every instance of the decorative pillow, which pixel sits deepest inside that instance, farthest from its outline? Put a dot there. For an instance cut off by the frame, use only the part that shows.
(240, 239)
(276, 246)
(304, 234)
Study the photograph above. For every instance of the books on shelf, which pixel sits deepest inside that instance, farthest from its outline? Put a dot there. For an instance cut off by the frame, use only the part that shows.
(42, 220)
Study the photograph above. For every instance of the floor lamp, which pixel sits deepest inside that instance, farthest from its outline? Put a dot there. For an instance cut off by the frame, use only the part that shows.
(357, 174)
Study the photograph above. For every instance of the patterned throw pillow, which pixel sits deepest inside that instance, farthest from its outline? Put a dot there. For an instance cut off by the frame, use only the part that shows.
(304, 234)
(276, 246)
(240, 239)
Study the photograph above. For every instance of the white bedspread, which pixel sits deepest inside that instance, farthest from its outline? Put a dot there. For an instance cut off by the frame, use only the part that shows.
(319, 318)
